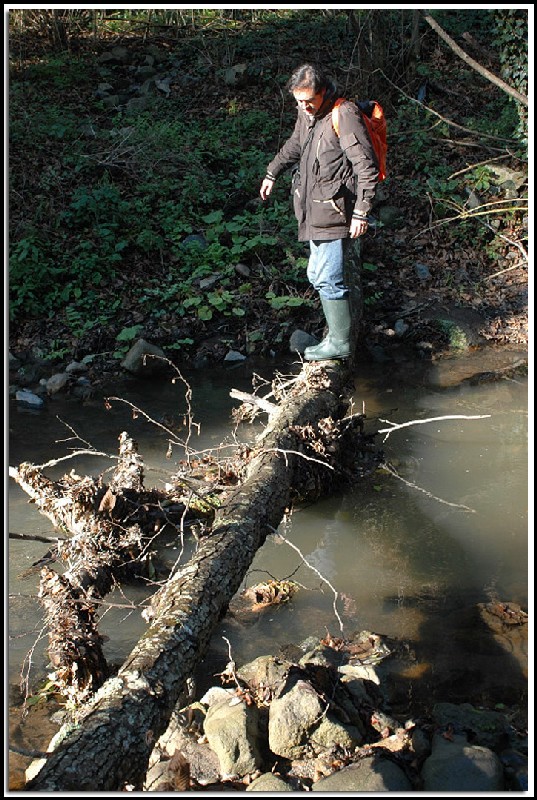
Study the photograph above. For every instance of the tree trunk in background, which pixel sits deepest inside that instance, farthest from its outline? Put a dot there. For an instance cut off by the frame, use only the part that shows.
(378, 53)
(415, 44)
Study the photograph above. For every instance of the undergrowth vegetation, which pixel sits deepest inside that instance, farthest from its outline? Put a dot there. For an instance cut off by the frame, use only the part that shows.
(138, 144)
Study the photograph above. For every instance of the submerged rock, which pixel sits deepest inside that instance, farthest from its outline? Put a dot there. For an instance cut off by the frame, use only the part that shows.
(456, 766)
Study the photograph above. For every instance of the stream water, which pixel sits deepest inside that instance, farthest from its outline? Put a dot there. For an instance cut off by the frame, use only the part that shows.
(408, 557)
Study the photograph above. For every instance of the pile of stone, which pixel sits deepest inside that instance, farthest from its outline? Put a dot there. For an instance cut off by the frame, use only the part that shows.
(313, 720)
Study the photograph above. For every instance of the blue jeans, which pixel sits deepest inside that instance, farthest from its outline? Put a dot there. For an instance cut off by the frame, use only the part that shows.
(326, 268)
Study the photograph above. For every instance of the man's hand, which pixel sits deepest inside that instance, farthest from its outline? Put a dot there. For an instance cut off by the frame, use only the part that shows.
(266, 188)
(358, 228)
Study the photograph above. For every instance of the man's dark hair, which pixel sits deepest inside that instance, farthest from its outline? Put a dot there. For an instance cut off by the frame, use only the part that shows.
(308, 76)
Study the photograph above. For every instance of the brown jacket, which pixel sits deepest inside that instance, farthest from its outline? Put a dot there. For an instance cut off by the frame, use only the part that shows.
(334, 176)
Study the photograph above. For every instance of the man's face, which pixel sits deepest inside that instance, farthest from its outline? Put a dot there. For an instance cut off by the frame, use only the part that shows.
(308, 101)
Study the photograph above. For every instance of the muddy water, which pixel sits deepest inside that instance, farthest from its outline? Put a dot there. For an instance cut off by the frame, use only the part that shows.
(409, 555)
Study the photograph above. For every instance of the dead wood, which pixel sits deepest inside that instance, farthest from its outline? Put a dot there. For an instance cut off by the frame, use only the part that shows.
(75, 645)
(254, 400)
(108, 744)
(111, 533)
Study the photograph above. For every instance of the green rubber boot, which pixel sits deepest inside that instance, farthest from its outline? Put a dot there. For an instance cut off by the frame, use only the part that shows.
(336, 344)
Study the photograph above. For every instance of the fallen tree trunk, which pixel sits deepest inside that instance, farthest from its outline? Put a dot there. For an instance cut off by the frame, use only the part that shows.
(108, 745)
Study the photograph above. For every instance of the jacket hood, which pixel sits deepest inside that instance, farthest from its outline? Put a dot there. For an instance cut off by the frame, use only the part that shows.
(329, 100)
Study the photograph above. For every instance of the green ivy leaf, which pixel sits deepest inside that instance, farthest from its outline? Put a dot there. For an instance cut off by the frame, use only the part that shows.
(128, 334)
(204, 312)
(214, 217)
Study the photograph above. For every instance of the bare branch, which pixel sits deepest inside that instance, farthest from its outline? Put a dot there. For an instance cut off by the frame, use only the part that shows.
(396, 427)
(253, 400)
(449, 122)
(395, 474)
(464, 143)
(478, 164)
(324, 580)
(475, 214)
(34, 537)
(297, 453)
(54, 461)
(23, 751)
(508, 269)
(521, 98)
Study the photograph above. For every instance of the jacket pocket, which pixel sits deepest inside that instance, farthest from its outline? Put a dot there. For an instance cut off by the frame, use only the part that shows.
(295, 179)
(296, 196)
(328, 205)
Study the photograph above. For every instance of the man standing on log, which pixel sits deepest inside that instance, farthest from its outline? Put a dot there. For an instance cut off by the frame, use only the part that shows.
(333, 187)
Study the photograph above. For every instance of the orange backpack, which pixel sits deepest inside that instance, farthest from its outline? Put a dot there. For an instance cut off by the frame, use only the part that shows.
(375, 122)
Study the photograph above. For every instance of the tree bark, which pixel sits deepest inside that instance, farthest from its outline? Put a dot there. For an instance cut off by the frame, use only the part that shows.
(108, 745)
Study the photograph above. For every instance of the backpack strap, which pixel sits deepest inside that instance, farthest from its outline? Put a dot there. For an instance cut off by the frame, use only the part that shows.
(335, 114)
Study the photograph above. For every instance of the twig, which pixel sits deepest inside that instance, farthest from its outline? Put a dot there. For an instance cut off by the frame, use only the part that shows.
(487, 207)
(507, 269)
(75, 434)
(37, 538)
(466, 215)
(182, 533)
(390, 469)
(464, 143)
(137, 410)
(473, 166)
(188, 420)
(27, 666)
(22, 751)
(518, 244)
(130, 605)
(325, 580)
(297, 453)
(230, 667)
(396, 427)
(13, 471)
(477, 214)
(253, 400)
